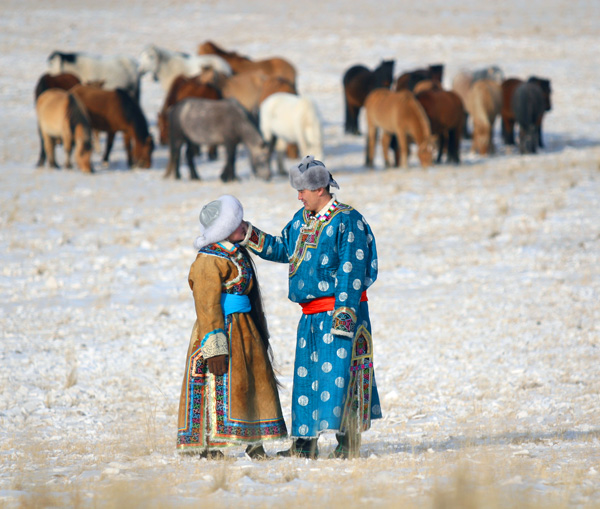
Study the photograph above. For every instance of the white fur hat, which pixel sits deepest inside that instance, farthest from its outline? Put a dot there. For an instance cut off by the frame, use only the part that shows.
(218, 220)
(311, 174)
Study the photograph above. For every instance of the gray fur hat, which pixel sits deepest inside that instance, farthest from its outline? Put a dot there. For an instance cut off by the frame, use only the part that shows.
(218, 220)
(311, 174)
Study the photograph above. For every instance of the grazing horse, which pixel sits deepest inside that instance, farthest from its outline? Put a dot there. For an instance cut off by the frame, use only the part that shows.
(214, 122)
(275, 66)
(63, 118)
(408, 80)
(165, 65)
(63, 81)
(529, 104)
(287, 118)
(112, 111)
(116, 71)
(399, 114)
(463, 80)
(446, 114)
(508, 116)
(484, 102)
(251, 88)
(358, 82)
(182, 88)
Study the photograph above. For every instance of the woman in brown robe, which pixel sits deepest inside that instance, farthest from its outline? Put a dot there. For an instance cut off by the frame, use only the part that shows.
(229, 394)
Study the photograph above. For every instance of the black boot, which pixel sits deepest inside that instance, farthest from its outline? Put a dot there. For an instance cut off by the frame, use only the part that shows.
(348, 446)
(256, 452)
(302, 448)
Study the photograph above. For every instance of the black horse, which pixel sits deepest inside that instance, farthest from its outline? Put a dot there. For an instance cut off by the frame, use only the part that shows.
(408, 80)
(529, 103)
(358, 81)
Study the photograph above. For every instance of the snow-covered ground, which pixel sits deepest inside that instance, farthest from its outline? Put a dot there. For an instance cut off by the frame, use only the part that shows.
(486, 314)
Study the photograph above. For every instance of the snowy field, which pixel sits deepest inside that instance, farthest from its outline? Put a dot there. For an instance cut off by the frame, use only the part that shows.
(486, 313)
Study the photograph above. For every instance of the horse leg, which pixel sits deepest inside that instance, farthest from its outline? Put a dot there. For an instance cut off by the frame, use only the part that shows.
(442, 139)
(110, 138)
(49, 144)
(189, 156)
(228, 173)
(386, 138)
(42, 158)
(174, 155)
(403, 147)
(127, 142)
(370, 149)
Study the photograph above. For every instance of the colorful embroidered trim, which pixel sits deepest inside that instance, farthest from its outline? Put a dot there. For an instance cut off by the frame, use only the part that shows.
(310, 232)
(256, 241)
(357, 407)
(344, 321)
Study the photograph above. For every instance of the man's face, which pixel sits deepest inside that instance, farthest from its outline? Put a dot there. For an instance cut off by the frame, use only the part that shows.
(311, 199)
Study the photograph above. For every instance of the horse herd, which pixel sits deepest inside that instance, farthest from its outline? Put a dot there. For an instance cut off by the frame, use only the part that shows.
(415, 107)
(220, 97)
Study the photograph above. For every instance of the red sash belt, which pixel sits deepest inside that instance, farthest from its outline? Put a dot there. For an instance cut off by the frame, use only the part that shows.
(324, 304)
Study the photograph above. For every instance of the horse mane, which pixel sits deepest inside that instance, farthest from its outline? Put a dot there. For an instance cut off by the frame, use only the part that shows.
(222, 52)
(424, 124)
(77, 114)
(134, 114)
(65, 57)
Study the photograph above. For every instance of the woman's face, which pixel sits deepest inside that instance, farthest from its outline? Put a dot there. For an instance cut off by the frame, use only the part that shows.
(239, 234)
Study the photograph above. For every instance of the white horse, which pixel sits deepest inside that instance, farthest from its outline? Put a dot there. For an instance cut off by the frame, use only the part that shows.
(165, 65)
(287, 118)
(115, 71)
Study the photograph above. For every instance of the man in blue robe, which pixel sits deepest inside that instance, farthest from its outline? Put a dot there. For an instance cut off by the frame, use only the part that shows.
(332, 259)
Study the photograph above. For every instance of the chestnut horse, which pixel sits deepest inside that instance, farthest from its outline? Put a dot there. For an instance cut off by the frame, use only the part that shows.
(181, 88)
(400, 114)
(484, 102)
(64, 81)
(446, 115)
(112, 111)
(508, 116)
(358, 82)
(408, 80)
(63, 118)
(275, 66)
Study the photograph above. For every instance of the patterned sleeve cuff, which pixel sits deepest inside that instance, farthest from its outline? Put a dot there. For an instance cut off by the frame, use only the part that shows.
(214, 343)
(344, 322)
(254, 240)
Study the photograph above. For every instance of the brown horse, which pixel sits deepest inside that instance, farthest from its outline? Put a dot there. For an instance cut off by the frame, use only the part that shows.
(484, 102)
(408, 80)
(400, 114)
(181, 88)
(63, 118)
(427, 85)
(252, 88)
(275, 66)
(112, 111)
(446, 115)
(63, 81)
(358, 82)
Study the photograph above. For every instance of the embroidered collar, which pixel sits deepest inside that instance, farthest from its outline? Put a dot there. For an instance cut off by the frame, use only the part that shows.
(325, 213)
(228, 246)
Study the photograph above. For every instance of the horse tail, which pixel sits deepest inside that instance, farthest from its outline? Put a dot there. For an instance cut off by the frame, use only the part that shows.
(77, 114)
(42, 86)
(133, 114)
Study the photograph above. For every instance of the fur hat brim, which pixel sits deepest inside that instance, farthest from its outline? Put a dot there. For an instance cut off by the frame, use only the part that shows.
(311, 174)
